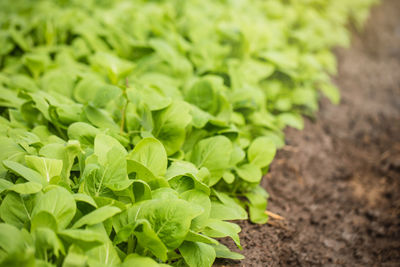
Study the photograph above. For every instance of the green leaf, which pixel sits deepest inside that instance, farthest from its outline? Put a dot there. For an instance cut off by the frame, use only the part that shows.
(27, 173)
(151, 154)
(148, 238)
(331, 92)
(170, 219)
(116, 67)
(224, 252)
(26, 188)
(218, 228)
(65, 152)
(141, 190)
(213, 153)
(103, 255)
(84, 198)
(137, 260)
(249, 172)
(202, 199)
(261, 152)
(46, 239)
(48, 168)
(44, 219)
(170, 124)
(196, 237)
(197, 254)
(257, 205)
(104, 144)
(97, 216)
(16, 209)
(292, 120)
(226, 208)
(11, 239)
(83, 132)
(85, 239)
(59, 202)
(74, 258)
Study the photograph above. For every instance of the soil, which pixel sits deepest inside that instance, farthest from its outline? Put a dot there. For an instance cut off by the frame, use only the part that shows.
(337, 182)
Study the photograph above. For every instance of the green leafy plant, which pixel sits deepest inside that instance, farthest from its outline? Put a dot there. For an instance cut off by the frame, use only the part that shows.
(133, 133)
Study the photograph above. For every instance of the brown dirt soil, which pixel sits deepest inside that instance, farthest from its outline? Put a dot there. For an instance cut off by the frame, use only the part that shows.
(337, 183)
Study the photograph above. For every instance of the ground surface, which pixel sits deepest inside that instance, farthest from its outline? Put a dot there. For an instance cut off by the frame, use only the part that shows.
(338, 181)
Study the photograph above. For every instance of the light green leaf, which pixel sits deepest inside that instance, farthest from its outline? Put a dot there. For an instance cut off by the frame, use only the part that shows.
(170, 124)
(59, 202)
(170, 219)
(249, 172)
(261, 152)
(218, 228)
(16, 209)
(84, 198)
(65, 152)
(137, 260)
(213, 153)
(85, 239)
(27, 173)
(26, 188)
(151, 154)
(48, 168)
(46, 239)
(197, 254)
(258, 204)
(97, 216)
(224, 252)
(44, 219)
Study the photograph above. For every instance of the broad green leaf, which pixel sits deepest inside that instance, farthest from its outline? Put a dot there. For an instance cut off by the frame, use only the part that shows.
(74, 258)
(59, 202)
(97, 216)
(27, 173)
(116, 68)
(16, 209)
(26, 188)
(224, 252)
(197, 254)
(65, 152)
(4, 185)
(48, 168)
(148, 238)
(79, 197)
(196, 237)
(226, 208)
(105, 143)
(85, 239)
(218, 228)
(258, 204)
(170, 124)
(249, 172)
(141, 190)
(292, 120)
(199, 198)
(170, 219)
(213, 153)
(11, 238)
(9, 150)
(103, 255)
(137, 260)
(331, 92)
(83, 132)
(261, 152)
(44, 219)
(46, 239)
(151, 154)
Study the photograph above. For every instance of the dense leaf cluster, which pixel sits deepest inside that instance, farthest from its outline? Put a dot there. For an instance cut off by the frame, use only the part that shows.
(133, 132)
